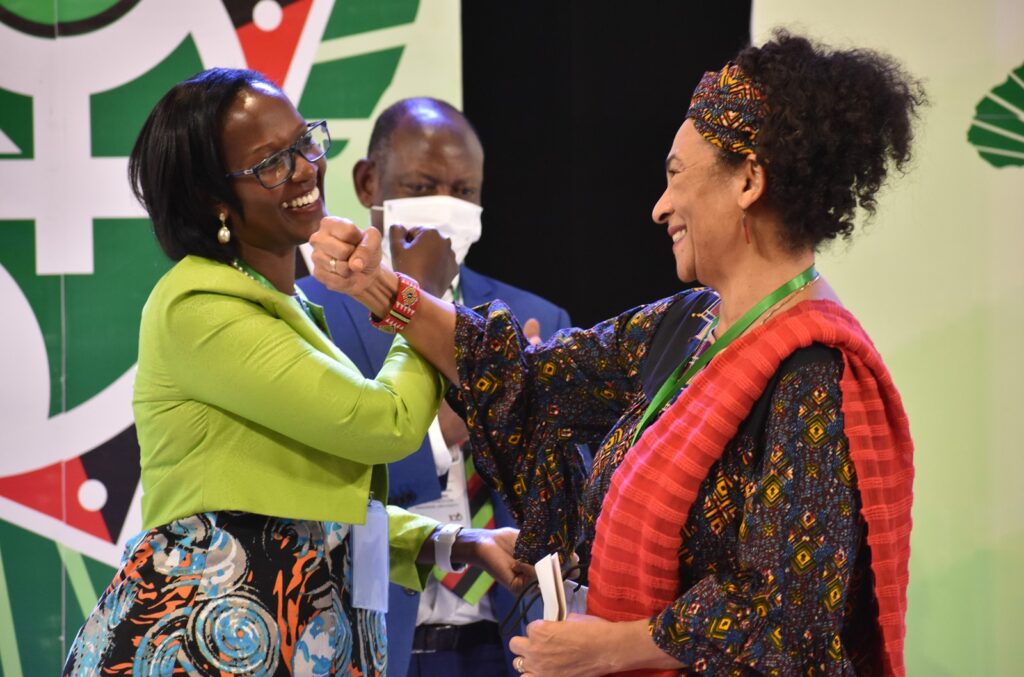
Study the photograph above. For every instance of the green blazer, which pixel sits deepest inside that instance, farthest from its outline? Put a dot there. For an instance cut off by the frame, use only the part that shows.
(244, 403)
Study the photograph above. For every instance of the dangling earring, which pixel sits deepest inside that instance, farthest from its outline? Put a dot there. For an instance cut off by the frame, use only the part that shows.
(746, 229)
(224, 234)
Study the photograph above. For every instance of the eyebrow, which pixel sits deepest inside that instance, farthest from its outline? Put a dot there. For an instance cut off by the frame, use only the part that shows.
(269, 146)
(419, 174)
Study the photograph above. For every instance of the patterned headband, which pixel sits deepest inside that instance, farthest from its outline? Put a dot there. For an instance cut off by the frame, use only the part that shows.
(728, 109)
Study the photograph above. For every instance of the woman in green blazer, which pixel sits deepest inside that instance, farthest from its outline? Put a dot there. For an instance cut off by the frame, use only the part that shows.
(262, 445)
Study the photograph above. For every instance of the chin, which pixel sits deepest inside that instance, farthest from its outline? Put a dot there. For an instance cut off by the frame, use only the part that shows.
(686, 275)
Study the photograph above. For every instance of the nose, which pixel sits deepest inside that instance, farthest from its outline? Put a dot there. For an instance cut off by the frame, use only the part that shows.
(303, 168)
(662, 208)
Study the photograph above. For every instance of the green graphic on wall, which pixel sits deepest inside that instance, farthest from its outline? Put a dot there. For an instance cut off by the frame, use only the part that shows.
(997, 130)
(78, 258)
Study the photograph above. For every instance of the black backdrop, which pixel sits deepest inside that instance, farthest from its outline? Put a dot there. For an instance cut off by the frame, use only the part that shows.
(576, 104)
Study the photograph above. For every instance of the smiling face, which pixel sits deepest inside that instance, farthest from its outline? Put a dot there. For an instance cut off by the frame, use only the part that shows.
(700, 207)
(260, 122)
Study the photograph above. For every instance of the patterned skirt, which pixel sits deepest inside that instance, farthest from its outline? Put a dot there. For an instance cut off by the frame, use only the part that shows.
(229, 593)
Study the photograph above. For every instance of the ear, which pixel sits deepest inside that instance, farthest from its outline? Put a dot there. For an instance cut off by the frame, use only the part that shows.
(217, 208)
(364, 179)
(754, 181)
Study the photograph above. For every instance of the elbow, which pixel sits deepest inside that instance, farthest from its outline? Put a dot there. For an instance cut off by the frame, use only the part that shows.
(403, 444)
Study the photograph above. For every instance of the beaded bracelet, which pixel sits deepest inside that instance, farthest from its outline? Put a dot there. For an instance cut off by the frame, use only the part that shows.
(407, 300)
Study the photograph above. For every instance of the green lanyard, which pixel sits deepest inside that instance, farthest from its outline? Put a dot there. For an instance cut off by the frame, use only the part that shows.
(675, 383)
(251, 272)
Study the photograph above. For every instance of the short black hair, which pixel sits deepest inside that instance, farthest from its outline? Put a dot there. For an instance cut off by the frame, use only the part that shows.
(392, 116)
(176, 168)
(837, 120)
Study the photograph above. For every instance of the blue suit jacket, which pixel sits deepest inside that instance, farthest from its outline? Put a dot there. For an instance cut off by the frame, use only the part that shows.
(413, 480)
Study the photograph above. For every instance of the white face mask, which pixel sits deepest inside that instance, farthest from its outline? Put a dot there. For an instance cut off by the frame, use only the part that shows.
(456, 219)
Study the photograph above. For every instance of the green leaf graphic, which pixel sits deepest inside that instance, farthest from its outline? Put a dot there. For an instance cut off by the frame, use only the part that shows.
(997, 130)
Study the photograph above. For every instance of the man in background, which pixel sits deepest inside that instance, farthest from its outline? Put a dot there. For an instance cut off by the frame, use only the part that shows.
(425, 167)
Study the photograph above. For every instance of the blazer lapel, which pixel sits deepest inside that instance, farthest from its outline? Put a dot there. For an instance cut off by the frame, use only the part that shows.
(287, 308)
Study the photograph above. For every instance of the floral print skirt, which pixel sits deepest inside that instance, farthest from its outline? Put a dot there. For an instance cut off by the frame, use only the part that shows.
(229, 593)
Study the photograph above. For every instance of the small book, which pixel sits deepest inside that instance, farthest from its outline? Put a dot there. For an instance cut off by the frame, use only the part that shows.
(552, 589)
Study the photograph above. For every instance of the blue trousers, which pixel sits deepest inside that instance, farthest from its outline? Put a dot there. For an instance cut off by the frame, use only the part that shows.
(484, 660)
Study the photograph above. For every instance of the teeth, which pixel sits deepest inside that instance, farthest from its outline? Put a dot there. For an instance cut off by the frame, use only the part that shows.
(678, 235)
(303, 200)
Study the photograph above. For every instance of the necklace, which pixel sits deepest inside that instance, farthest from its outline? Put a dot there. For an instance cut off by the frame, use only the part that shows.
(683, 374)
(782, 303)
(237, 265)
(254, 275)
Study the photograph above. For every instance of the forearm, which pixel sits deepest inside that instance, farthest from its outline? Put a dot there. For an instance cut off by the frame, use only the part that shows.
(629, 646)
(587, 646)
(431, 331)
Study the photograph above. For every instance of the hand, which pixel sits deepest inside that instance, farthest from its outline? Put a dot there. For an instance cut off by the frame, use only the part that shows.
(345, 259)
(425, 255)
(531, 330)
(453, 428)
(583, 646)
(571, 648)
(491, 550)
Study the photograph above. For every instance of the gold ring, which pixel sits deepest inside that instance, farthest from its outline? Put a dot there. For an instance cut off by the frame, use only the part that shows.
(517, 664)
(334, 262)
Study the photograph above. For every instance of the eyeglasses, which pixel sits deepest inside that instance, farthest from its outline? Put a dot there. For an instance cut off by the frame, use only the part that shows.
(279, 167)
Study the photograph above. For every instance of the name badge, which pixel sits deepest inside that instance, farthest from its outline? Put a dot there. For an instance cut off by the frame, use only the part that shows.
(370, 564)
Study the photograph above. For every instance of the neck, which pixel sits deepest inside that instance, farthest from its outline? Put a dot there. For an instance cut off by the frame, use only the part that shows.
(753, 280)
(277, 267)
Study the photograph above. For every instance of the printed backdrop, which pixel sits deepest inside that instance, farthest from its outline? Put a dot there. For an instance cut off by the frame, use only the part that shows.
(77, 257)
(935, 278)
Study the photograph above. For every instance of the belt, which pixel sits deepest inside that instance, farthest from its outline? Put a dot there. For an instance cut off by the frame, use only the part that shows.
(431, 638)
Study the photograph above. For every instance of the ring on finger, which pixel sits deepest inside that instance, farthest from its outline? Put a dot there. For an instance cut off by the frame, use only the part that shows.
(333, 264)
(517, 664)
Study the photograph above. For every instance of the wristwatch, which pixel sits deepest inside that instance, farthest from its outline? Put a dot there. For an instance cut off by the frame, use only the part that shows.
(443, 543)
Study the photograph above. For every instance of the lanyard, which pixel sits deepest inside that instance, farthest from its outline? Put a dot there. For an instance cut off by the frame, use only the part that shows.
(249, 271)
(675, 383)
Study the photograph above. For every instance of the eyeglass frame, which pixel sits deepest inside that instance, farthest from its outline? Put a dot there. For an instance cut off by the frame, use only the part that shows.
(289, 155)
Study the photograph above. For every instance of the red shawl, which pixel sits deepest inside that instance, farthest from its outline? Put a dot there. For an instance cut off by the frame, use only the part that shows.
(635, 566)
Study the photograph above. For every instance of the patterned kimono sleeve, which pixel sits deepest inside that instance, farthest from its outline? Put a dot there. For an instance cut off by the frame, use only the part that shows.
(777, 604)
(528, 408)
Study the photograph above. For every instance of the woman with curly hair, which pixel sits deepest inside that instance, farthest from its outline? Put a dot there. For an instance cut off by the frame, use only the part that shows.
(748, 509)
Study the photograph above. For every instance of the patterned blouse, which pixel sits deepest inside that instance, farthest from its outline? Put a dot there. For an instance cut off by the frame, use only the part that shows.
(774, 564)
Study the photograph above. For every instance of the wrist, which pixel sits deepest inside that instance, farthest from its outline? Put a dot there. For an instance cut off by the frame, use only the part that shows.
(464, 551)
(448, 555)
(380, 293)
(631, 646)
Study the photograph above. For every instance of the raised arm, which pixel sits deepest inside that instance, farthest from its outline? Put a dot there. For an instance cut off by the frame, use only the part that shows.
(348, 260)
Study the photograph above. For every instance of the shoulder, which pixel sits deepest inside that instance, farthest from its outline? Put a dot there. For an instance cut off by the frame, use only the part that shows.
(814, 355)
(816, 369)
(478, 288)
(678, 309)
(805, 383)
(194, 285)
(195, 274)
